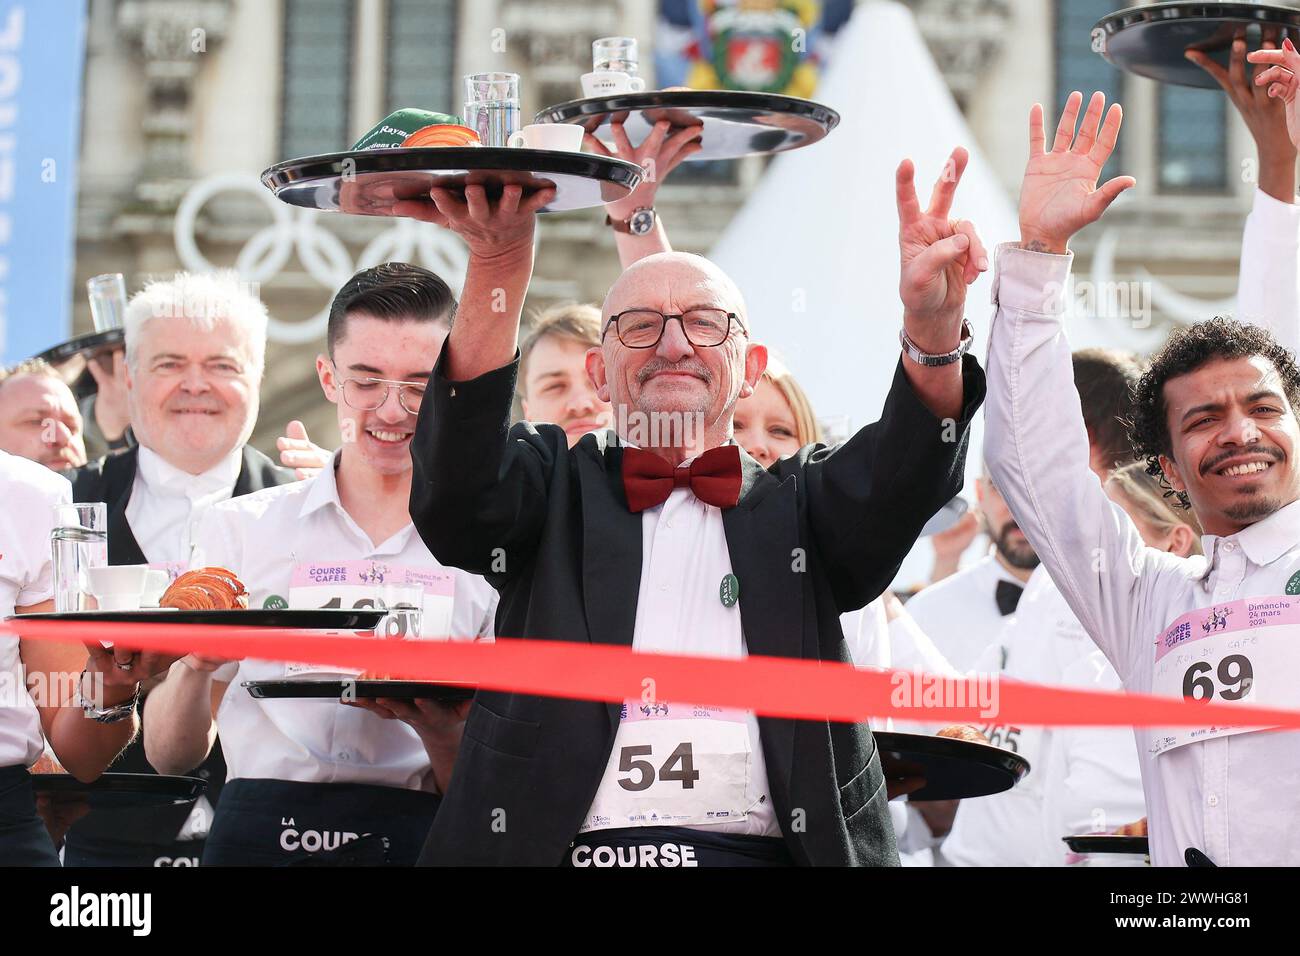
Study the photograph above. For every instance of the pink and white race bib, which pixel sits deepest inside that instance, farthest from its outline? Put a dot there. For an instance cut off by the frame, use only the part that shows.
(674, 765)
(359, 584)
(1245, 652)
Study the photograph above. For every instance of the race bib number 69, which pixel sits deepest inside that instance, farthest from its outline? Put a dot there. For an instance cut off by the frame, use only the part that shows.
(1240, 652)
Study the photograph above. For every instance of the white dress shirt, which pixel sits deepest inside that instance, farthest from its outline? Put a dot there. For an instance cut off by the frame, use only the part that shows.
(30, 493)
(263, 537)
(1091, 778)
(876, 642)
(1268, 286)
(960, 613)
(684, 558)
(1235, 798)
(1038, 644)
(167, 504)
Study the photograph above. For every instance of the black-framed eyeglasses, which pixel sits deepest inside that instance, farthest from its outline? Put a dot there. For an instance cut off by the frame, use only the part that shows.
(643, 328)
(367, 394)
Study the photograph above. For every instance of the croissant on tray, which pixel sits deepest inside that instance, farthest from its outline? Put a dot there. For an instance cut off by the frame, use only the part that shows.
(206, 589)
(963, 732)
(1137, 828)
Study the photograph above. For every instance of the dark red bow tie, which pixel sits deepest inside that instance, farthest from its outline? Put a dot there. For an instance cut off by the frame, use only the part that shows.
(714, 478)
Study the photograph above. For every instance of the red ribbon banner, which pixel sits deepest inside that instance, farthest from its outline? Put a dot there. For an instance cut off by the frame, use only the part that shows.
(773, 686)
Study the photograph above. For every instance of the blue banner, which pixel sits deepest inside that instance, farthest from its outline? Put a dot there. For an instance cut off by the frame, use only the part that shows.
(42, 51)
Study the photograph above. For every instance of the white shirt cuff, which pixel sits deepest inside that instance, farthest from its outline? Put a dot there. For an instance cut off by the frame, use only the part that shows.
(1030, 281)
(1275, 213)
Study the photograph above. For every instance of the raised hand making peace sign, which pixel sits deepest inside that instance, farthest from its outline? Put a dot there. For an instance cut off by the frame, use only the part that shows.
(940, 257)
(1059, 195)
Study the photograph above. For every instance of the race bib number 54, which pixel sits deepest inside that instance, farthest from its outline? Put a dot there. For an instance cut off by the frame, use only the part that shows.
(674, 766)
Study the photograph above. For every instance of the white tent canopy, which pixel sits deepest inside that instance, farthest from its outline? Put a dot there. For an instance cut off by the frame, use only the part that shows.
(815, 249)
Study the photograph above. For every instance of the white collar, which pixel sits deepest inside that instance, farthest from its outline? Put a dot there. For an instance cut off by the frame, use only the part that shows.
(1264, 541)
(324, 491)
(164, 478)
(1000, 572)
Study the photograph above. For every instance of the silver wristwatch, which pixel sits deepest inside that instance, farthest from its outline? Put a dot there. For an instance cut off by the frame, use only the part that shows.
(640, 223)
(946, 358)
(107, 715)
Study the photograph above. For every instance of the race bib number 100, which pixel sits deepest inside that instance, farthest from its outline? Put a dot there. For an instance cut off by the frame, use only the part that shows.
(1241, 652)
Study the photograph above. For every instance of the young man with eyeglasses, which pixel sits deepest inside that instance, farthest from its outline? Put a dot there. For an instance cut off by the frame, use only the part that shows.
(318, 781)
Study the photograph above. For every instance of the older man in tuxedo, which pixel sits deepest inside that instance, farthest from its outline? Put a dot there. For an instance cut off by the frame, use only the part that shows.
(662, 535)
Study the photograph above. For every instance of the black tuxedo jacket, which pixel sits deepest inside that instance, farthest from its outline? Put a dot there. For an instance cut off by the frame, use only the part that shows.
(111, 480)
(529, 766)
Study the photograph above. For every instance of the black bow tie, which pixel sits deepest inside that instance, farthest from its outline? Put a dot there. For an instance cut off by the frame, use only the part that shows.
(1008, 595)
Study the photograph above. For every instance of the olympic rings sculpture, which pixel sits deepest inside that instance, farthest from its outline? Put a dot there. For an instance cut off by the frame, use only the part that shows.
(322, 254)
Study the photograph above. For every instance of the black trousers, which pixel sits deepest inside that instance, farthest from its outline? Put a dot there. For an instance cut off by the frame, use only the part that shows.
(102, 851)
(288, 823)
(24, 841)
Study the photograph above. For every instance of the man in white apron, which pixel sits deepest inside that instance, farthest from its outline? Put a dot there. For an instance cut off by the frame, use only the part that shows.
(315, 780)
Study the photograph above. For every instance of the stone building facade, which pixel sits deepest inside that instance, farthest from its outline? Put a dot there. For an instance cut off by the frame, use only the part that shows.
(186, 101)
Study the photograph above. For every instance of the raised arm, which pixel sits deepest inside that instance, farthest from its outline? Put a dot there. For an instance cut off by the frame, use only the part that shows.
(869, 497)
(1263, 114)
(499, 234)
(1268, 283)
(1268, 287)
(662, 151)
(940, 257)
(1268, 290)
(1035, 442)
(478, 495)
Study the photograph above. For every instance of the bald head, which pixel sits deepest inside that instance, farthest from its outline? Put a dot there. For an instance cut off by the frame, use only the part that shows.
(673, 282)
(674, 379)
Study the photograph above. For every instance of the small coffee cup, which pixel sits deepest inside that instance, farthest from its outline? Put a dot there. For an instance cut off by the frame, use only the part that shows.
(559, 136)
(609, 82)
(118, 587)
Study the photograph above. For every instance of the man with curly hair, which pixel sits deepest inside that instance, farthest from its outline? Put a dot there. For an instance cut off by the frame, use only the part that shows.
(1216, 415)
(1185, 456)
